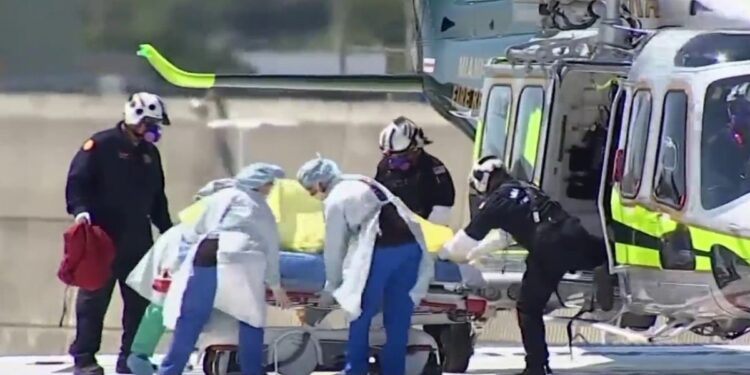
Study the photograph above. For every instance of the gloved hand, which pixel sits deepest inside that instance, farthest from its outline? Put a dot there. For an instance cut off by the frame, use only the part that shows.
(444, 254)
(280, 297)
(326, 299)
(83, 217)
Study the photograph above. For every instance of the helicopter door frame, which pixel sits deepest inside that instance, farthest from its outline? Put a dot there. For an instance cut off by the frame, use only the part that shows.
(619, 71)
(611, 149)
(558, 75)
(503, 73)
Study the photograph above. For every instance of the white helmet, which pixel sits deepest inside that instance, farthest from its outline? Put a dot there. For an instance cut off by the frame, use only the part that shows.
(482, 171)
(144, 105)
(402, 134)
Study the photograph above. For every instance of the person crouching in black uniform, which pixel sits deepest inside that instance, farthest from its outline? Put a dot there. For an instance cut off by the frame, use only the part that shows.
(557, 243)
(116, 181)
(421, 180)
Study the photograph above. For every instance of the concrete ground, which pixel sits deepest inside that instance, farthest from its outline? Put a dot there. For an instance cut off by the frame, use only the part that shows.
(506, 360)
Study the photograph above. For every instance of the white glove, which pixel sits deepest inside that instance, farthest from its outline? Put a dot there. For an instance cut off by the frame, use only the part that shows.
(280, 297)
(443, 254)
(326, 299)
(455, 257)
(83, 217)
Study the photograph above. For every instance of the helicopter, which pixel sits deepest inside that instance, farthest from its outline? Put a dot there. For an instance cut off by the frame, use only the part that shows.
(604, 105)
(618, 123)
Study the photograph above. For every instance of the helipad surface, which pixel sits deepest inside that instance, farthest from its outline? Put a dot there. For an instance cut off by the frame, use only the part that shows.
(628, 360)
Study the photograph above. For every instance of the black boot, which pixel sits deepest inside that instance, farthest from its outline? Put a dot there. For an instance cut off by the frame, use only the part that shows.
(536, 370)
(88, 369)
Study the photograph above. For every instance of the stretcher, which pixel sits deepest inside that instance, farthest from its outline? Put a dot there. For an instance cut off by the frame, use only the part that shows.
(303, 277)
(318, 344)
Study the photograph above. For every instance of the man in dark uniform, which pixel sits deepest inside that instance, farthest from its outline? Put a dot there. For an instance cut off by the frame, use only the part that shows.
(116, 181)
(556, 241)
(421, 180)
(423, 183)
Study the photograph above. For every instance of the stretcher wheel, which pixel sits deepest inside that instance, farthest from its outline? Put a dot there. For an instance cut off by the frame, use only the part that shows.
(221, 360)
(433, 366)
(297, 355)
(456, 344)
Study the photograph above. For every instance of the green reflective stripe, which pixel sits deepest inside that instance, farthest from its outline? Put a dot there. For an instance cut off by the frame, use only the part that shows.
(605, 85)
(658, 225)
(532, 137)
(173, 74)
(635, 217)
(644, 257)
(704, 239)
(478, 140)
(637, 256)
(703, 263)
(517, 251)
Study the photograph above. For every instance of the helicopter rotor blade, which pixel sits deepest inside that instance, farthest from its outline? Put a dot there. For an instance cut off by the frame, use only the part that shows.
(397, 83)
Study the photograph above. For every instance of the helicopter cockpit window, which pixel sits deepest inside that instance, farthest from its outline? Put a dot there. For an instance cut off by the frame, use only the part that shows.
(725, 153)
(526, 137)
(496, 121)
(635, 151)
(669, 179)
(714, 48)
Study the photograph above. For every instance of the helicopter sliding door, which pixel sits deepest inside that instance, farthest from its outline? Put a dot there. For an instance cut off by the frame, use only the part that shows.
(610, 171)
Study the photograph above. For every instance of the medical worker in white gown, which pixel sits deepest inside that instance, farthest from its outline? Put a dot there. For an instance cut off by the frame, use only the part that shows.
(375, 258)
(228, 269)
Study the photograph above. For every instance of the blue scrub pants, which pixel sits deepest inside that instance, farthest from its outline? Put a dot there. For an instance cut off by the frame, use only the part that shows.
(197, 305)
(393, 273)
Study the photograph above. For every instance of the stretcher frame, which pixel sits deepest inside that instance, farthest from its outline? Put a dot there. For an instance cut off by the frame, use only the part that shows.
(445, 303)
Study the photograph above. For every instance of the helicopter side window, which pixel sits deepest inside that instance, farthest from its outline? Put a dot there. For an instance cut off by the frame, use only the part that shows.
(527, 129)
(725, 154)
(496, 121)
(636, 141)
(669, 179)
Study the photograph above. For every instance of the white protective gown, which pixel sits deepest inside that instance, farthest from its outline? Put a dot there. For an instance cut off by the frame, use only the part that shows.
(352, 212)
(247, 258)
(162, 260)
(166, 255)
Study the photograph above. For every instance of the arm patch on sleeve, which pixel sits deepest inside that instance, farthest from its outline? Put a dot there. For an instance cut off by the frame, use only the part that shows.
(440, 169)
(88, 145)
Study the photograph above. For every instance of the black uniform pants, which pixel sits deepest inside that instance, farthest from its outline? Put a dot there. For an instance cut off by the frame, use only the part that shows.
(565, 247)
(91, 306)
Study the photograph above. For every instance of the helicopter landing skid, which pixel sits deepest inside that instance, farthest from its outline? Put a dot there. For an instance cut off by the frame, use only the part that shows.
(666, 331)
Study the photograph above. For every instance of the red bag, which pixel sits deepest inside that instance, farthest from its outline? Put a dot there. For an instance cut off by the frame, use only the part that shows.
(89, 253)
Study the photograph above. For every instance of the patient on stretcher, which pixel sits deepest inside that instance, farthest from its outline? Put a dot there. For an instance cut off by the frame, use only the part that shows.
(300, 220)
(301, 226)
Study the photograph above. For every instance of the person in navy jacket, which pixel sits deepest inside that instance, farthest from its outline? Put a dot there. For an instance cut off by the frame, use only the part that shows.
(116, 181)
